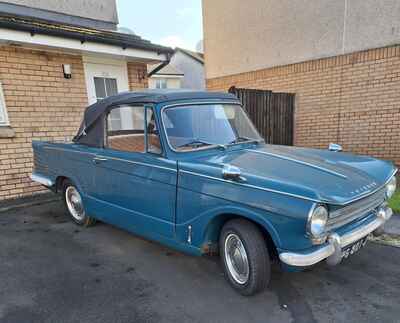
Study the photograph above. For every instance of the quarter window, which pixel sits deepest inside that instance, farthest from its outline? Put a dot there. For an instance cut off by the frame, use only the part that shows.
(129, 134)
(153, 139)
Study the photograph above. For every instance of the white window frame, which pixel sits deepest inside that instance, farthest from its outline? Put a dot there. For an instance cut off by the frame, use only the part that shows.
(4, 121)
(159, 82)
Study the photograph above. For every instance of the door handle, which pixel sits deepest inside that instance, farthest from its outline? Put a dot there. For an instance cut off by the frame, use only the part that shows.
(98, 160)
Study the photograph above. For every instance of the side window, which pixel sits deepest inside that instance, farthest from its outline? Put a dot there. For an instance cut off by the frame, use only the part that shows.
(153, 139)
(129, 133)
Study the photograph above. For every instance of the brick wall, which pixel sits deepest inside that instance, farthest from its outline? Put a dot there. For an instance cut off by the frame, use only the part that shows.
(353, 99)
(41, 105)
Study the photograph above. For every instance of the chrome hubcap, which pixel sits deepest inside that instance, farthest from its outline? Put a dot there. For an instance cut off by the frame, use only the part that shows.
(236, 259)
(74, 203)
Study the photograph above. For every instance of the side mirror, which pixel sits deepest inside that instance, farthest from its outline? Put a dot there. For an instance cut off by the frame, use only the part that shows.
(335, 147)
(232, 173)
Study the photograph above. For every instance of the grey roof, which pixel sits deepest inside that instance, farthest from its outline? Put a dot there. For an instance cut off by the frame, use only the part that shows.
(166, 70)
(195, 55)
(45, 27)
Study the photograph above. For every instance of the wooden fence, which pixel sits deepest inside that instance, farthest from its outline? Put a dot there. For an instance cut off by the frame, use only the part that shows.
(272, 113)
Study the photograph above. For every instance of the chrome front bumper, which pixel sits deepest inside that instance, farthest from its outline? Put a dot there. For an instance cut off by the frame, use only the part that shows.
(332, 249)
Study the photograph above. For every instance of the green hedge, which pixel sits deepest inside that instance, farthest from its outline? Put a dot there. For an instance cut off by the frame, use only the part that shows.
(395, 202)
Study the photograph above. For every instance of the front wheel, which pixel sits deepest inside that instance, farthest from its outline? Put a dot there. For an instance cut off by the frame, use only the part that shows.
(74, 205)
(244, 257)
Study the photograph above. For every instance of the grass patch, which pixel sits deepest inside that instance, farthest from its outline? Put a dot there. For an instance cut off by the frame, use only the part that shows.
(394, 202)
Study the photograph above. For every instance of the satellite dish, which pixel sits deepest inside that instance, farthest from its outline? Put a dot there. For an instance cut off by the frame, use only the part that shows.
(126, 30)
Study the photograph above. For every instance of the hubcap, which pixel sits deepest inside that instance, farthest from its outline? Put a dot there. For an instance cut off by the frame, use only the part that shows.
(236, 259)
(74, 203)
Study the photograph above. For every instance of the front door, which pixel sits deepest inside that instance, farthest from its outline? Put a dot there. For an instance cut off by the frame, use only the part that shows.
(135, 184)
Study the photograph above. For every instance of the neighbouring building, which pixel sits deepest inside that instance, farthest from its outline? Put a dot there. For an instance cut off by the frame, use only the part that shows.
(185, 70)
(56, 57)
(168, 77)
(341, 58)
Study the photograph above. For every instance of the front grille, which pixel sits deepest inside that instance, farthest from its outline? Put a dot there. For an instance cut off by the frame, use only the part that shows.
(355, 210)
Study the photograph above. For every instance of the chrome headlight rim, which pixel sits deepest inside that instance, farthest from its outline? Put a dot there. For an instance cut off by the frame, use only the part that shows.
(391, 187)
(317, 231)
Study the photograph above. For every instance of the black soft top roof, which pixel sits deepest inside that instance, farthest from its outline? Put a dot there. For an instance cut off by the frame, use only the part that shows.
(91, 131)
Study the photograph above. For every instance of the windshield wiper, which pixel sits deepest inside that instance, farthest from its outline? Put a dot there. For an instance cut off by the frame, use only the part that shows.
(241, 139)
(199, 142)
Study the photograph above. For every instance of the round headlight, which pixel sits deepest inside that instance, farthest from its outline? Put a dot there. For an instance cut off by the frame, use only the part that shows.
(391, 187)
(317, 221)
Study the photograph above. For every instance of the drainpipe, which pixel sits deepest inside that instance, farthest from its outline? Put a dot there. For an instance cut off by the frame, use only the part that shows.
(161, 66)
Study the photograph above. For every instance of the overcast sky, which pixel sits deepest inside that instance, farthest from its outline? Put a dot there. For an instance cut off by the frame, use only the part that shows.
(175, 23)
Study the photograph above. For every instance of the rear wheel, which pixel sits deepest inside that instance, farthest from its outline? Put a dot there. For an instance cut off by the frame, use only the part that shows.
(74, 205)
(244, 256)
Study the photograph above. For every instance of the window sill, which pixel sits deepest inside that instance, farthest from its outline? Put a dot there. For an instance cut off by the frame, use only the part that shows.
(6, 132)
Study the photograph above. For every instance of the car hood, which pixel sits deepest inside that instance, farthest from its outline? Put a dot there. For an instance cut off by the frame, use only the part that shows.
(320, 175)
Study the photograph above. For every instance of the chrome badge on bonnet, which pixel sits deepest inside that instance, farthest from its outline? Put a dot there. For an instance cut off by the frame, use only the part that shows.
(365, 188)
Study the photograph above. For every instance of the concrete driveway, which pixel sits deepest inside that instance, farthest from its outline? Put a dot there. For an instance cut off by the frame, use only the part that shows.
(54, 271)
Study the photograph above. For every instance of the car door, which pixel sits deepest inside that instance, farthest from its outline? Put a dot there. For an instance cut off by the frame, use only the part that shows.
(135, 184)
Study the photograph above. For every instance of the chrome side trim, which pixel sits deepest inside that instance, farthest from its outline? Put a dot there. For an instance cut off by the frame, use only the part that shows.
(298, 162)
(41, 180)
(250, 186)
(69, 150)
(286, 193)
(336, 243)
(109, 158)
(136, 163)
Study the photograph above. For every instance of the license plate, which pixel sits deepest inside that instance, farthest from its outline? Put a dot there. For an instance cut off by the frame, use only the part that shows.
(356, 246)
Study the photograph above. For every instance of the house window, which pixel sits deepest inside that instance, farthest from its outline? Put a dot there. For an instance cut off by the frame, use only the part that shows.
(105, 87)
(3, 109)
(161, 83)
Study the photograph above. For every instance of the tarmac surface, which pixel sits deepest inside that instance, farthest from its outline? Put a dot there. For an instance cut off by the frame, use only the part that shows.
(54, 271)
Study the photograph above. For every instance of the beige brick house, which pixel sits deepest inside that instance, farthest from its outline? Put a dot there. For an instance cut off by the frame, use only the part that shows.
(340, 57)
(55, 58)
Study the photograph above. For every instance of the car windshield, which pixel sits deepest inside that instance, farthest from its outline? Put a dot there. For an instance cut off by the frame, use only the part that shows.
(203, 126)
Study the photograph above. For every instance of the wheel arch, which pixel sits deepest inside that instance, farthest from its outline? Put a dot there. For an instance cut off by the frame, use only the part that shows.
(59, 182)
(214, 227)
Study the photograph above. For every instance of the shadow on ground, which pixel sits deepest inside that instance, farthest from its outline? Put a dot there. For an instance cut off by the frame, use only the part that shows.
(54, 271)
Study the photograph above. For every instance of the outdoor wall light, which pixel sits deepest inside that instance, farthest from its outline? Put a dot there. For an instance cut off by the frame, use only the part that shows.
(141, 74)
(67, 71)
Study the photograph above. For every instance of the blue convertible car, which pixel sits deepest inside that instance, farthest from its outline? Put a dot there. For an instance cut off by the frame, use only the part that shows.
(188, 169)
